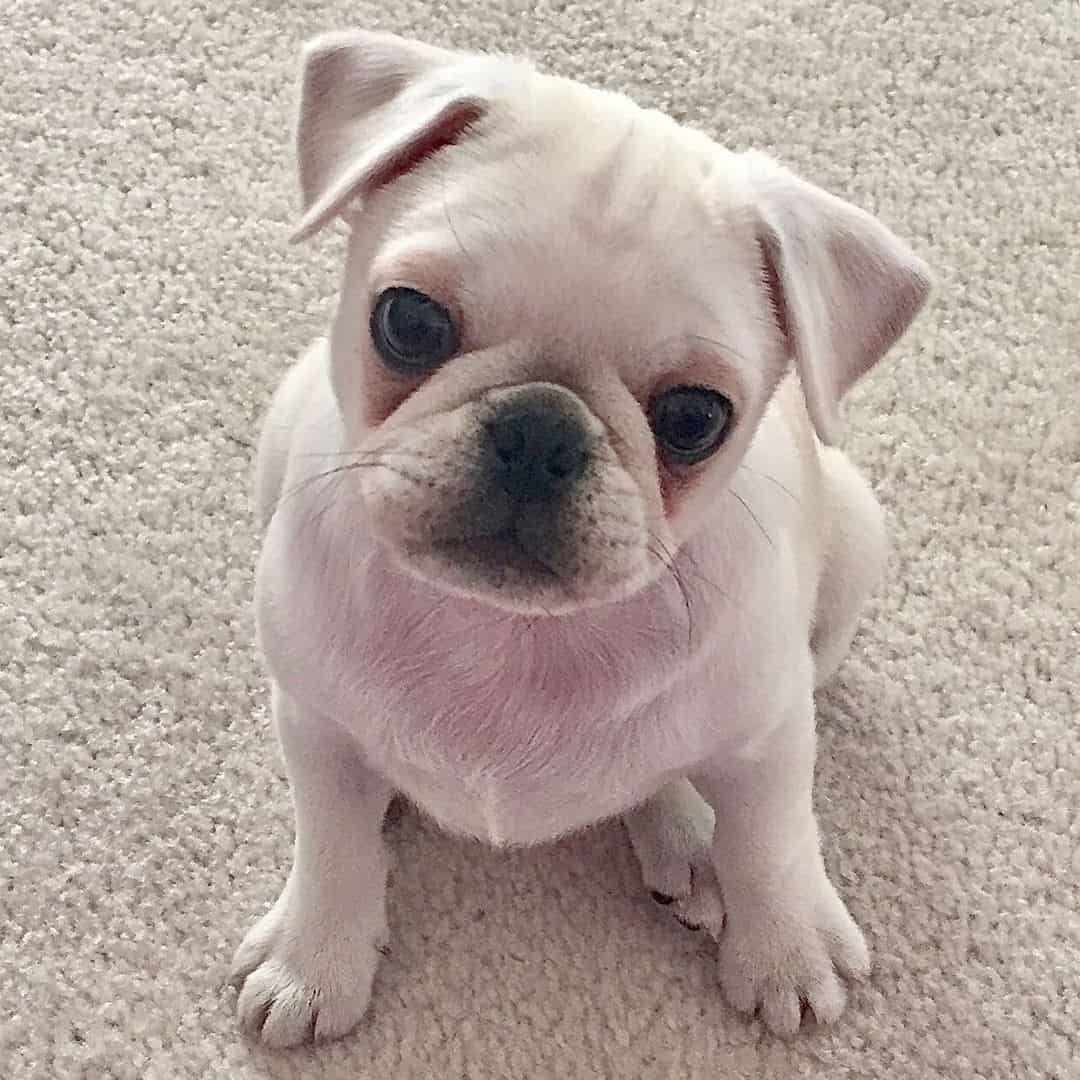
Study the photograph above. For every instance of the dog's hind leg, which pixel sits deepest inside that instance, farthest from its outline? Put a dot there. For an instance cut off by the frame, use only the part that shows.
(855, 554)
(671, 835)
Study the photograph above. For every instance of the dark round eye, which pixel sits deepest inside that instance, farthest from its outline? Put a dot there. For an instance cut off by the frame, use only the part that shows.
(690, 422)
(412, 332)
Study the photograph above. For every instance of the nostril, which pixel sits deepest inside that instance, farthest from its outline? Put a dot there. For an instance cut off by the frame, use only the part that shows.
(509, 442)
(565, 461)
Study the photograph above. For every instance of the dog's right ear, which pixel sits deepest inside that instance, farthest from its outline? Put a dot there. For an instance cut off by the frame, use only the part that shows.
(372, 107)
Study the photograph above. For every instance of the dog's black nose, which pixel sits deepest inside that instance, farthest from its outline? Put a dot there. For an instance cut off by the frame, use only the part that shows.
(540, 450)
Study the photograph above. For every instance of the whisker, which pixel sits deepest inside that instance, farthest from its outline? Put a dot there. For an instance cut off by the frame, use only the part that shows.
(453, 230)
(315, 519)
(698, 576)
(336, 453)
(304, 484)
(757, 522)
(364, 455)
(664, 555)
(772, 479)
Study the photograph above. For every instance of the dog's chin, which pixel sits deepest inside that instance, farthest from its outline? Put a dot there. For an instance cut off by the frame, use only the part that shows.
(500, 572)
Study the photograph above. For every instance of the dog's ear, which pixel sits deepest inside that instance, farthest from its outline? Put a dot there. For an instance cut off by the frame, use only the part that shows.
(844, 288)
(372, 107)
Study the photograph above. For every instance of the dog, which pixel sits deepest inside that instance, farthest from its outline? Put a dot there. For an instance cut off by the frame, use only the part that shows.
(554, 525)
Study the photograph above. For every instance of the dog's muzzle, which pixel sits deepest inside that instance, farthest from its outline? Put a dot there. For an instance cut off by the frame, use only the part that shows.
(521, 507)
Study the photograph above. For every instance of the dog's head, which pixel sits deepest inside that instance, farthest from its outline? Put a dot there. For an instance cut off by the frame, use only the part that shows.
(563, 315)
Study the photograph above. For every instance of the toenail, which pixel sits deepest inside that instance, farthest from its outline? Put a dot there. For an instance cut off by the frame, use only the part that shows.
(688, 925)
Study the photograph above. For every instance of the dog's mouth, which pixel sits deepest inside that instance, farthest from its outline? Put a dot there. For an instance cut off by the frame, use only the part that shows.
(528, 569)
(501, 550)
(500, 567)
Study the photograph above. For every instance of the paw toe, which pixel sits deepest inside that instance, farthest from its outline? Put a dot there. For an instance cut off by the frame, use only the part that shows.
(281, 1011)
(827, 1000)
(785, 974)
(257, 994)
(781, 1010)
(252, 952)
(295, 989)
(850, 953)
(739, 991)
(703, 909)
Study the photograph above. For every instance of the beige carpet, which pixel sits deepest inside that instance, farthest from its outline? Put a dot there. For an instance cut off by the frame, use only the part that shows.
(149, 304)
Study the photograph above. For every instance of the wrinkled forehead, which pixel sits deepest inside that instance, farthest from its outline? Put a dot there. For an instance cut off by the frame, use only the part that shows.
(629, 239)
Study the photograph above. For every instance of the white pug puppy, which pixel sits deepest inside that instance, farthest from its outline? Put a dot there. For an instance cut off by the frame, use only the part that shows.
(553, 528)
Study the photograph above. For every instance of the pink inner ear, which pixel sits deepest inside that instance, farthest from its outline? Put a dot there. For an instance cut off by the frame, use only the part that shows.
(444, 130)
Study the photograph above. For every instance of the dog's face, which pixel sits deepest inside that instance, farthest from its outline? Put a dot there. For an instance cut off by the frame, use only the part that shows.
(563, 316)
(544, 375)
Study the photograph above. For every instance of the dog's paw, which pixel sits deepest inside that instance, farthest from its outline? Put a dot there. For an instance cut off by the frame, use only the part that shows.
(671, 836)
(702, 908)
(785, 955)
(303, 980)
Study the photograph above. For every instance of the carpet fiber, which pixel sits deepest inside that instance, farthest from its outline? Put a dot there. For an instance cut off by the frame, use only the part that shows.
(149, 304)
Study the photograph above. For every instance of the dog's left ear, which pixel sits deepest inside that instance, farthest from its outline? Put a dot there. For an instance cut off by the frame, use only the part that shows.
(373, 107)
(844, 288)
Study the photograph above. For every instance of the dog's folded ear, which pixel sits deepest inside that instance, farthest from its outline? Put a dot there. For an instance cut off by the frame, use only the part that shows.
(373, 106)
(844, 288)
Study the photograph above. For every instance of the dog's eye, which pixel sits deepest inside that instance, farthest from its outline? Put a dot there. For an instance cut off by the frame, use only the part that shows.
(690, 422)
(412, 332)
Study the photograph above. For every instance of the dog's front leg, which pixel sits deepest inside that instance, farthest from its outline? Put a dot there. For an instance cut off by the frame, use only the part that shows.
(305, 970)
(788, 934)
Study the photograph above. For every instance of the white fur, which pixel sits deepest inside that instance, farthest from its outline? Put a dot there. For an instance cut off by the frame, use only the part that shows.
(521, 729)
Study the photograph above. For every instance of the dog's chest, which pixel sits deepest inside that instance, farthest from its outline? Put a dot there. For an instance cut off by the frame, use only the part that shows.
(512, 730)
(518, 739)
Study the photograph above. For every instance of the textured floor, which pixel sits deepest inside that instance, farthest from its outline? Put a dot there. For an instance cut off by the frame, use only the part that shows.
(148, 305)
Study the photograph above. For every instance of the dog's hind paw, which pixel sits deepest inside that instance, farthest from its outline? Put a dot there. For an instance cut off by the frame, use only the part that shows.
(671, 836)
